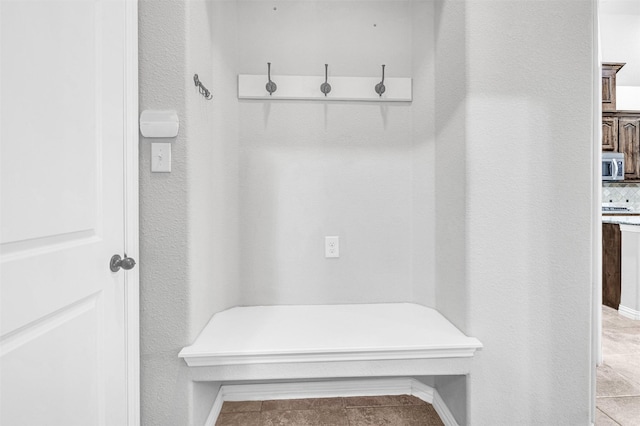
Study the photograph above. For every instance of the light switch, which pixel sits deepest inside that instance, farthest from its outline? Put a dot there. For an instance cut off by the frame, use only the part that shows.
(161, 157)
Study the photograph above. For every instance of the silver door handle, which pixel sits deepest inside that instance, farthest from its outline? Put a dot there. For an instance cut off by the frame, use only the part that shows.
(117, 262)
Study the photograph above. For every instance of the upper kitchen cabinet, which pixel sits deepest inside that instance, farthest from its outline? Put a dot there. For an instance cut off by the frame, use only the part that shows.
(629, 143)
(609, 133)
(621, 133)
(609, 71)
(620, 129)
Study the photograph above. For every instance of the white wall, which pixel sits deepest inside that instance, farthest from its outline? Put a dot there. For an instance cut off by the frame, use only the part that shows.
(163, 230)
(450, 182)
(424, 157)
(620, 42)
(312, 169)
(212, 156)
(188, 218)
(451, 177)
(527, 145)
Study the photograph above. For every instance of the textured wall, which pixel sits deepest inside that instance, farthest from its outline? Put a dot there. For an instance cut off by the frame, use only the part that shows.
(188, 222)
(450, 167)
(311, 169)
(212, 161)
(423, 156)
(510, 271)
(528, 268)
(450, 183)
(163, 229)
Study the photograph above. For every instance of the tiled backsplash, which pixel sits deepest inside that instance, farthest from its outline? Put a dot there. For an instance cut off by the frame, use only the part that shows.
(622, 193)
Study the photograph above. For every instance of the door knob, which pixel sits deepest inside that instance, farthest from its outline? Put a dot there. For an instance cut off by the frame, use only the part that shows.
(117, 262)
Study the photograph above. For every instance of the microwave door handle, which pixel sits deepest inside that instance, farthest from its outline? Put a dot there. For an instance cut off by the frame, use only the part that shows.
(615, 168)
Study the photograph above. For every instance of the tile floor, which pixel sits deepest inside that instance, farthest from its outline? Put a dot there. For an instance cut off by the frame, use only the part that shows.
(400, 410)
(618, 380)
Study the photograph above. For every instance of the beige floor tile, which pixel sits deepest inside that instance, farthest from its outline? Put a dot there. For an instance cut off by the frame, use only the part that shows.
(317, 417)
(618, 341)
(603, 420)
(415, 415)
(250, 418)
(302, 404)
(625, 365)
(611, 318)
(241, 406)
(378, 401)
(624, 410)
(610, 383)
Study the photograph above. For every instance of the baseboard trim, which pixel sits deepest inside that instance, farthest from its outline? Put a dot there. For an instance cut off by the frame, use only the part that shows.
(629, 313)
(215, 409)
(331, 389)
(443, 411)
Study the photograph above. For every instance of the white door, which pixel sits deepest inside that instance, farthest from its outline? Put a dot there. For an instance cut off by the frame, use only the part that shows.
(67, 347)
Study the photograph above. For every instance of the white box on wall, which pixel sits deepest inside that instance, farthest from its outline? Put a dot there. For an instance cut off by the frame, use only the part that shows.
(159, 124)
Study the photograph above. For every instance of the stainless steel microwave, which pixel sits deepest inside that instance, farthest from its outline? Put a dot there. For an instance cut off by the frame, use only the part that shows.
(612, 166)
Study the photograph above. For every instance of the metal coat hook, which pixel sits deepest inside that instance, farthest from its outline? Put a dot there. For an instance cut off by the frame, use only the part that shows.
(271, 86)
(203, 90)
(325, 87)
(380, 88)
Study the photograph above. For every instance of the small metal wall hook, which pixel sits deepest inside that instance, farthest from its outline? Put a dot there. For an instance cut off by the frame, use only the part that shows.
(380, 88)
(325, 87)
(203, 90)
(271, 86)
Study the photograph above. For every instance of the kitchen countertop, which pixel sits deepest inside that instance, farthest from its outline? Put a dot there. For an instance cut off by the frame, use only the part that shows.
(621, 220)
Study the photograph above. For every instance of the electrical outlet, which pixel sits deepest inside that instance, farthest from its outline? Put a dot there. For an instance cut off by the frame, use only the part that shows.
(331, 246)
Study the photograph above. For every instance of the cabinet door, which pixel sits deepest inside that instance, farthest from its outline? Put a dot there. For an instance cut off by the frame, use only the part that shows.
(608, 89)
(611, 264)
(629, 144)
(609, 70)
(609, 134)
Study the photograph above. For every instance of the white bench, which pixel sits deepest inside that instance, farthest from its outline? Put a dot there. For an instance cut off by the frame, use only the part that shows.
(328, 341)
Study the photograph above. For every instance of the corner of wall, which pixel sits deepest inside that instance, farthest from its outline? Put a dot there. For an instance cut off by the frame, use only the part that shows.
(423, 156)
(204, 397)
(164, 272)
(211, 163)
(450, 166)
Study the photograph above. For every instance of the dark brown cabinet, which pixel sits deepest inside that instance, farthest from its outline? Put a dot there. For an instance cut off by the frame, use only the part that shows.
(609, 133)
(620, 129)
(621, 133)
(609, 71)
(629, 144)
(611, 264)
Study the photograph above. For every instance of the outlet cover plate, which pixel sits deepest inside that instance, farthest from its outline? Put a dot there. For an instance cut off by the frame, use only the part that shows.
(332, 246)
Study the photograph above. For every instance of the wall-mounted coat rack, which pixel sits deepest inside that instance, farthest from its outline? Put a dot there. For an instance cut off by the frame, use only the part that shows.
(325, 87)
(203, 90)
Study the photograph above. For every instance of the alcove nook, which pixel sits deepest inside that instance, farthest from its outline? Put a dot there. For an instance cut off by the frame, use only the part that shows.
(351, 163)
(238, 228)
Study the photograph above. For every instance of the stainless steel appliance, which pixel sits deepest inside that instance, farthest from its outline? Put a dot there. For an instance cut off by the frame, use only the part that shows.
(612, 166)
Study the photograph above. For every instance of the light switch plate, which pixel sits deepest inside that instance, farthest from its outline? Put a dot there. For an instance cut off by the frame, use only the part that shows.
(161, 157)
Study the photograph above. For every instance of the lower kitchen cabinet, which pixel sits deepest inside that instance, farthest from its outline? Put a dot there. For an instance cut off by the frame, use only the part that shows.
(611, 264)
